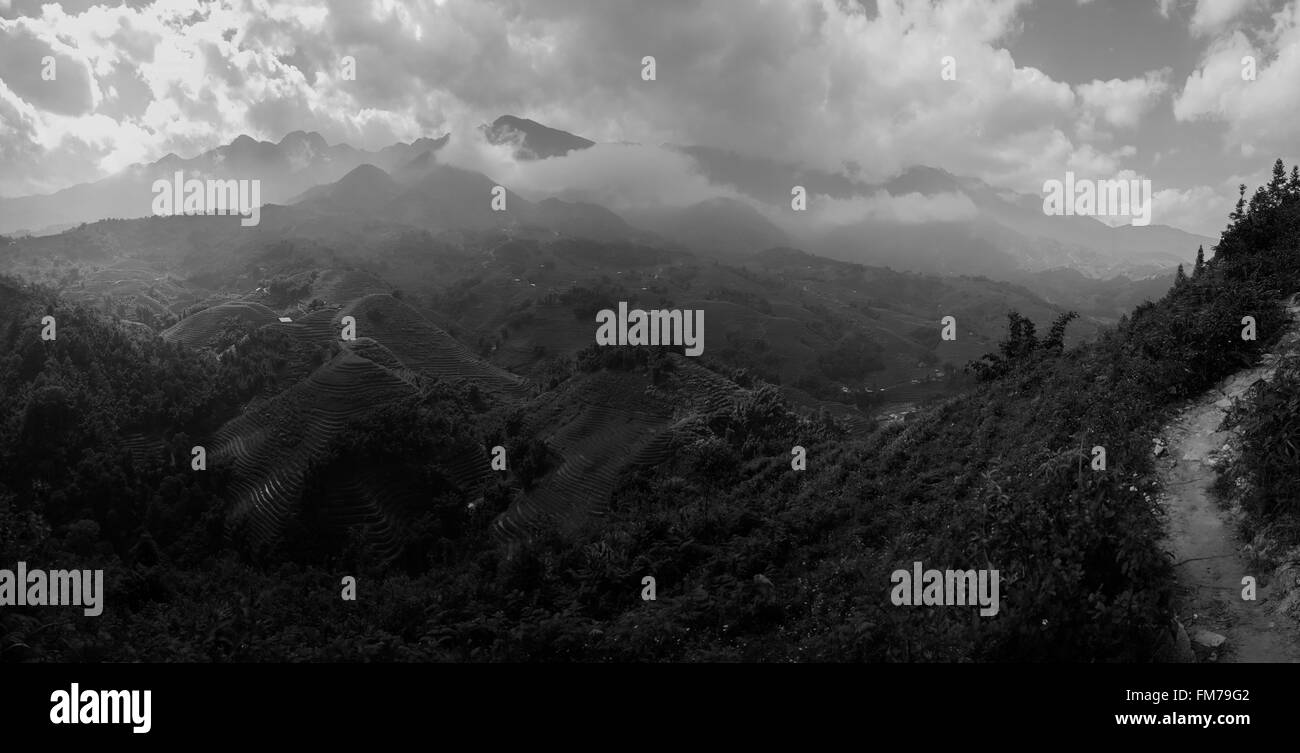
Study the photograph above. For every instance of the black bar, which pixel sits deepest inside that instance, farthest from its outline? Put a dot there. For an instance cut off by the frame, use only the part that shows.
(329, 702)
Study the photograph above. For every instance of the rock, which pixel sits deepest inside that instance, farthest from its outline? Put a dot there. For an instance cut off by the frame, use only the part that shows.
(1223, 404)
(1208, 640)
(762, 581)
(1159, 448)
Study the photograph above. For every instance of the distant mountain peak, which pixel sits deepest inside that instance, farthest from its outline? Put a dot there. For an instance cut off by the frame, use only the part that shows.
(513, 121)
(365, 175)
(365, 187)
(310, 138)
(424, 142)
(924, 180)
(246, 150)
(536, 141)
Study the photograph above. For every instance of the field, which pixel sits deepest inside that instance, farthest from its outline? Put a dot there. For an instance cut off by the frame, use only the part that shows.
(270, 446)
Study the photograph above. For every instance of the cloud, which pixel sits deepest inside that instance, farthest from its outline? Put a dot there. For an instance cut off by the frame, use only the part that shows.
(1260, 113)
(23, 52)
(1199, 209)
(811, 82)
(1212, 16)
(1121, 103)
(911, 208)
(618, 176)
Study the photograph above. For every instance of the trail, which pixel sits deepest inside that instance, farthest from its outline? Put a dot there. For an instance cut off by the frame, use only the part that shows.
(1204, 538)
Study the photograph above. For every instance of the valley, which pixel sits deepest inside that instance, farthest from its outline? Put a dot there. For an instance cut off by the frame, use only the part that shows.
(503, 307)
(351, 363)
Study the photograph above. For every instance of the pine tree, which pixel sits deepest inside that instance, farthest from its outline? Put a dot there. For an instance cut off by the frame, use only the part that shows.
(1200, 262)
(1277, 186)
(1180, 279)
(1239, 213)
(1260, 203)
(1293, 185)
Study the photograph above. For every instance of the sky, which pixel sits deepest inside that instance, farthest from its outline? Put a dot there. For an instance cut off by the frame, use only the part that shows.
(1149, 89)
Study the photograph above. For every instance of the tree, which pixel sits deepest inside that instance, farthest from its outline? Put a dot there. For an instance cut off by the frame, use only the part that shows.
(1239, 212)
(1260, 203)
(1021, 339)
(1277, 187)
(1056, 335)
(1021, 342)
(1200, 261)
(1180, 279)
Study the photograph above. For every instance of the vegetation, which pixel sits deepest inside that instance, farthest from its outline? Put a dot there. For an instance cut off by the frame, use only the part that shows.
(753, 560)
(1265, 475)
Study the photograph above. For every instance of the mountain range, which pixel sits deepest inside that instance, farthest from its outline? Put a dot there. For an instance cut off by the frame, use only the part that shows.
(973, 228)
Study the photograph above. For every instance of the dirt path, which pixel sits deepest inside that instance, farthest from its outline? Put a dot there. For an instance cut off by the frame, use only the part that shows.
(1204, 538)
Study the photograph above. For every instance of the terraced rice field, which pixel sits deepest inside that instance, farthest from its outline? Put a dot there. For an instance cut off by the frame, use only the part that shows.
(145, 450)
(199, 329)
(271, 446)
(336, 286)
(426, 348)
(372, 500)
(318, 325)
(312, 328)
(135, 287)
(622, 423)
(702, 390)
(597, 446)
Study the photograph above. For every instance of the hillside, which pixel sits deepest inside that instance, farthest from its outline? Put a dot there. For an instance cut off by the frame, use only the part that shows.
(859, 338)
(201, 329)
(625, 462)
(602, 425)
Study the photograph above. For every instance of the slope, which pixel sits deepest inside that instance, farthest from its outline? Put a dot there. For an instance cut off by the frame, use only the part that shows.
(603, 425)
(424, 347)
(202, 328)
(272, 447)
(1208, 553)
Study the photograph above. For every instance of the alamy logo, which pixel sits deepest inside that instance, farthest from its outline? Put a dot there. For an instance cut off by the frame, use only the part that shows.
(946, 588)
(212, 196)
(1099, 198)
(76, 706)
(57, 588)
(662, 327)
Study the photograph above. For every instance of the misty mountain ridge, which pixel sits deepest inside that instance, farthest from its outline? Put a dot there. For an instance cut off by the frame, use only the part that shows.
(299, 161)
(925, 219)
